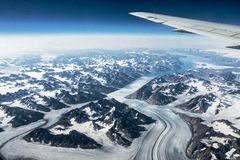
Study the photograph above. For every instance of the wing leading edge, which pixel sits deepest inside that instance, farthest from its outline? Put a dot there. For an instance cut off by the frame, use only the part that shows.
(228, 32)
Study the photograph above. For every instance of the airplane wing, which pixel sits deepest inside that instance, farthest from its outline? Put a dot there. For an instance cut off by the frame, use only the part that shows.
(228, 32)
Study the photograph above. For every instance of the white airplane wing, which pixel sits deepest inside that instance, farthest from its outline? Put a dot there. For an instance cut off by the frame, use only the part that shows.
(228, 32)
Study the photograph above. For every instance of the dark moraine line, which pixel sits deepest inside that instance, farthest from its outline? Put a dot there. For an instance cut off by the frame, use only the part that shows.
(136, 157)
(155, 143)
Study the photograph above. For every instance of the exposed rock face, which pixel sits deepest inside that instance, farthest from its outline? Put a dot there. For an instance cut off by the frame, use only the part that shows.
(31, 104)
(160, 99)
(123, 119)
(54, 103)
(108, 117)
(9, 97)
(111, 81)
(198, 104)
(235, 92)
(207, 144)
(95, 88)
(80, 97)
(45, 104)
(13, 78)
(159, 91)
(142, 94)
(229, 77)
(73, 140)
(21, 116)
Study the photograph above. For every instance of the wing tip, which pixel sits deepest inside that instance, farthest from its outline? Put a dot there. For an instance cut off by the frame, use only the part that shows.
(137, 14)
(149, 16)
(132, 13)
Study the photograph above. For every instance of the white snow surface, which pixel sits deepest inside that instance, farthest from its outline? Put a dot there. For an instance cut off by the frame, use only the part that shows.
(230, 153)
(37, 75)
(224, 128)
(4, 118)
(87, 129)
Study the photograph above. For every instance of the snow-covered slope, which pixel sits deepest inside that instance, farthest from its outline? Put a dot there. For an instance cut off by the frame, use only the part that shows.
(105, 121)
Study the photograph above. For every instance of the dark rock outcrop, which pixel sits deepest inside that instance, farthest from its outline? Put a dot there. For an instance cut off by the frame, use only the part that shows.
(21, 116)
(47, 103)
(31, 104)
(198, 104)
(201, 146)
(160, 99)
(80, 97)
(9, 97)
(125, 122)
(72, 140)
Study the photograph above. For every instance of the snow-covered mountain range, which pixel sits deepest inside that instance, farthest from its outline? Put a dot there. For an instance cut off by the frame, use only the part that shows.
(32, 89)
(75, 105)
(209, 101)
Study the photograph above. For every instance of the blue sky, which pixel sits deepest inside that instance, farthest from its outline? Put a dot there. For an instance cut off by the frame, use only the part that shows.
(106, 16)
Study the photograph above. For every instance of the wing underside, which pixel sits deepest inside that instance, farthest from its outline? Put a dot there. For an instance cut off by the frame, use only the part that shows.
(228, 32)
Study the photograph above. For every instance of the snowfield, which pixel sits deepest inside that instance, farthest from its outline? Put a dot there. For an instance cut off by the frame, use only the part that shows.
(165, 89)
